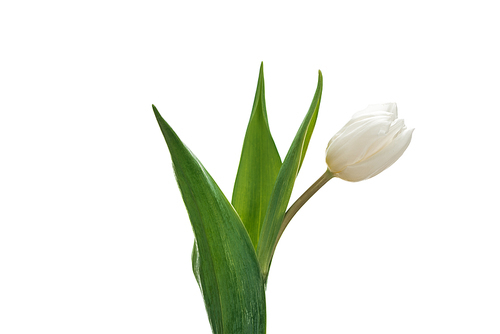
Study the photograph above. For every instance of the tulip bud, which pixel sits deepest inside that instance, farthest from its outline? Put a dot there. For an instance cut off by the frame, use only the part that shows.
(369, 143)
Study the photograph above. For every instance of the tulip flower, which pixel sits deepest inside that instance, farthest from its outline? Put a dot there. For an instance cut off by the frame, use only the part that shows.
(368, 144)
(235, 241)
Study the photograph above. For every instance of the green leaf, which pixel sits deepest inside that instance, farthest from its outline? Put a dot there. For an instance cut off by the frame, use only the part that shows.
(224, 260)
(284, 184)
(259, 165)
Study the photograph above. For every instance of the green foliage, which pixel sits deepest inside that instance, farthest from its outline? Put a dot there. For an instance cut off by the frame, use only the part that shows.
(259, 165)
(284, 184)
(224, 260)
(234, 246)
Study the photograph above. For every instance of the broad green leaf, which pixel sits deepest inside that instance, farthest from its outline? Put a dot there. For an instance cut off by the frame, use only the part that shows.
(284, 184)
(224, 260)
(259, 165)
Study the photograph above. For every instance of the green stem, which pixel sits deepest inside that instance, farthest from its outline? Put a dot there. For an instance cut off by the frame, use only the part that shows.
(327, 176)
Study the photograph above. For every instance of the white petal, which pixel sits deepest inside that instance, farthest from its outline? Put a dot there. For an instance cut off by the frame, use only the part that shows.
(376, 108)
(352, 146)
(380, 161)
(386, 110)
(385, 138)
(354, 126)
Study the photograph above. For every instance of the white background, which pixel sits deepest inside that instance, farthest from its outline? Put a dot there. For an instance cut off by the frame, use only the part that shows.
(94, 236)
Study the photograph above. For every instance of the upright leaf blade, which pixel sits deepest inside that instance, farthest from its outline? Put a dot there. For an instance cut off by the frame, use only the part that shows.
(259, 165)
(224, 260)
(284, 184)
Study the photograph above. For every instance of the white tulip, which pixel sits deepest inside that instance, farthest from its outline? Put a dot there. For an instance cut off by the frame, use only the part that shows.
(368, 144)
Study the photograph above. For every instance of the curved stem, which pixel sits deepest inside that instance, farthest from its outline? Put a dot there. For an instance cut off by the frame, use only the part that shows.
(327, 176)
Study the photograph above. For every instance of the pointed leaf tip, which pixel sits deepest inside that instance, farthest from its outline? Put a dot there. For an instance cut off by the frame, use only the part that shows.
(156, 112)
(284, 184)
(259, 165)
(224, 260)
